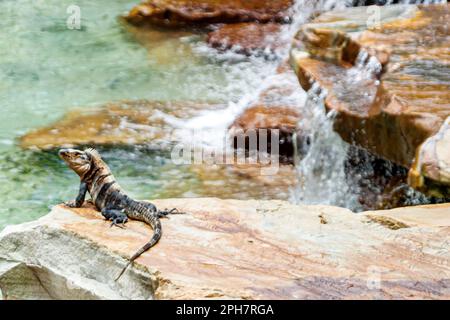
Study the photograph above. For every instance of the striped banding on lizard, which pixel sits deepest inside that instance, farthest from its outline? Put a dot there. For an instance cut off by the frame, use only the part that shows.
(109, 198)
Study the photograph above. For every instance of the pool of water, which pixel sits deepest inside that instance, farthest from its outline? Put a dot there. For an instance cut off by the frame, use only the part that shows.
(47, 69)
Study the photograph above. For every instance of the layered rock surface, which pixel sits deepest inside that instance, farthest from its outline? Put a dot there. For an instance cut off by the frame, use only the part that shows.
(388, 81)
(232, 249)
(122, 123)
(182, 12)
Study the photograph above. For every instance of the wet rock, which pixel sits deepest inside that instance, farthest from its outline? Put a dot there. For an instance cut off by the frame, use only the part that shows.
(276, 108)
(267, 119)
(181, 12)
(380, 183)
(430, 172)
(232, 249)
(122, 123)
(246, 38)
(388, 83)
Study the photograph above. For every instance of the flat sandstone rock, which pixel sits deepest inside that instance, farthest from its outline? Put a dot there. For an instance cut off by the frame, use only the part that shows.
(231, 249)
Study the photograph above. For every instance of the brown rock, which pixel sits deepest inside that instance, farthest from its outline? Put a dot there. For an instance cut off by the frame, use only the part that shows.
(275, 108)
(390, 108)
(232, 249)
(435, 215)
(182, 12)
(268, 117)
(430, 171)
(246, 38)
(121, 123)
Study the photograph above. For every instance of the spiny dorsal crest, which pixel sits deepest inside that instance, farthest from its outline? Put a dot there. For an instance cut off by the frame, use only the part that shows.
(97, 160)
(93, 153)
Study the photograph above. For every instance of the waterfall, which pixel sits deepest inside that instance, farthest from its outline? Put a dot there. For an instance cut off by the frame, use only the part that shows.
(259, 74)
(321, 172)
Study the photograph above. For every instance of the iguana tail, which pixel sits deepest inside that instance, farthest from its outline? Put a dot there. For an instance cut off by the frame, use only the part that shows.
(153, 221)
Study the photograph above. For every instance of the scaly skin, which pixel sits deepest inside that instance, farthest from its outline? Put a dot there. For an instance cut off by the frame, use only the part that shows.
(109, 198)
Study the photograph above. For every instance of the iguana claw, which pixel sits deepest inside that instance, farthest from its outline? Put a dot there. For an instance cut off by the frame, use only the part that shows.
(70, 204)
(164, 213)
(114, 223)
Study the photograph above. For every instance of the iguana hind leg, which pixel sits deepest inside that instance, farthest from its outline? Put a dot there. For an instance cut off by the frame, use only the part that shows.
(117, 217)
(160, 213)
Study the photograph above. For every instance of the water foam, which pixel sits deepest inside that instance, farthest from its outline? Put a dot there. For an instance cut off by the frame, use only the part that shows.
(321, 173)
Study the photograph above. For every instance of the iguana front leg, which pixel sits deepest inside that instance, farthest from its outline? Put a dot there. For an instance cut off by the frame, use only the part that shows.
(80, 197)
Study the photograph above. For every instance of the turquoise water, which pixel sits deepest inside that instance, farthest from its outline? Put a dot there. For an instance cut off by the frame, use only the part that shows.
(47, 69)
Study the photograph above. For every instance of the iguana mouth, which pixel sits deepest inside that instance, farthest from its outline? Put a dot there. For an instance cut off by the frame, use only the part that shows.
(66, 153)
(63, 153)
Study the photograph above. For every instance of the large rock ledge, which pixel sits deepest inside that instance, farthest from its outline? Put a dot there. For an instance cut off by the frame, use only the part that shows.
(232, 249)
(388, 83)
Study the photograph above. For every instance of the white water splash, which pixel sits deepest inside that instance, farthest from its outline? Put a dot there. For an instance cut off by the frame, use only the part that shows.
(321, 172)
(367, 64)
(322, 178)
(256, 73)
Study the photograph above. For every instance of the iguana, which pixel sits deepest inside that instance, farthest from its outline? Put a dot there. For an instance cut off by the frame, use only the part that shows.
(109, 198)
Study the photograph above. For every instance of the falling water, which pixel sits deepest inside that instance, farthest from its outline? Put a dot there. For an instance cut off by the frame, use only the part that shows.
(321, 172)
(260, 72)
(322, 176)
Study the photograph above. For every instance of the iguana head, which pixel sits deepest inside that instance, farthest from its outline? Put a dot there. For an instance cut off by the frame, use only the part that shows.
(80, 161)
